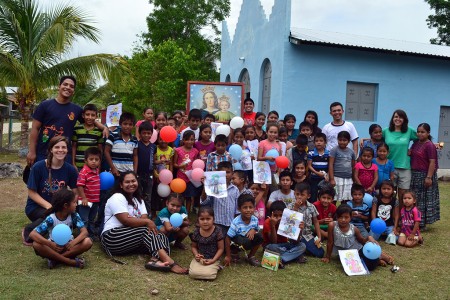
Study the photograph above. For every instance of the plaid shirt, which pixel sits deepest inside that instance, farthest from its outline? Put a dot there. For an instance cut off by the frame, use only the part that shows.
(214, 159)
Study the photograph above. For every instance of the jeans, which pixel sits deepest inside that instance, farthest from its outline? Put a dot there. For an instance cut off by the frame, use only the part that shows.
(287, 251)
(376, 236)
(88, 215)
(312, 248)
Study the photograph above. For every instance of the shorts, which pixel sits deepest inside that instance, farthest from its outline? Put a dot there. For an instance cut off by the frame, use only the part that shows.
(343, 188)
(402, 178)
(192, 191)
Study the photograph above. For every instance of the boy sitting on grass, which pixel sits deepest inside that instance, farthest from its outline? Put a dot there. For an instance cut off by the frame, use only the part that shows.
(325, 208)
(244, 231)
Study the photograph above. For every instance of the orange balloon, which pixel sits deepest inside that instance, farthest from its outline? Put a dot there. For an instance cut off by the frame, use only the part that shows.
(178, 185)
(168, 134)
(282, 162)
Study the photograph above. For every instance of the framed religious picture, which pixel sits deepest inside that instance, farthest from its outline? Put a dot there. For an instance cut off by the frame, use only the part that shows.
(224, 100)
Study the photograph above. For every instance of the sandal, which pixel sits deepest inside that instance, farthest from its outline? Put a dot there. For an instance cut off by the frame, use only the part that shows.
(153, 265)
(51, 263)
(24, 240)
(80, 263)
(174, 264)
(180, 246)
(253, 261)
(301, 259)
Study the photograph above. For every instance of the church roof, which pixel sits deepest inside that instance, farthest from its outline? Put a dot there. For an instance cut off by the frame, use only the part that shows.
(300, 36)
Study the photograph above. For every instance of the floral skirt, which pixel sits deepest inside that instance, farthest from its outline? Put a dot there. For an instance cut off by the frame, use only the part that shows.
(427, 198)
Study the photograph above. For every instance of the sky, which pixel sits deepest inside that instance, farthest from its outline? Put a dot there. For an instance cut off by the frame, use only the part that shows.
(120, 23)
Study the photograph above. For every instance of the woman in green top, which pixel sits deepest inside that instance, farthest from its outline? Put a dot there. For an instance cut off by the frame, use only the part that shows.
(398, 137)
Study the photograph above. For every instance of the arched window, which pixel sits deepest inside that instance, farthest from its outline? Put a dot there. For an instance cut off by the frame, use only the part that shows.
(266, 72)
(245, 79)
(228, 78)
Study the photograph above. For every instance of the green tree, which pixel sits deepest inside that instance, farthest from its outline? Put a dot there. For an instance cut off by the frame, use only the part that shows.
(187, 22)
(161, 75)
(440, 20)
(33, 43)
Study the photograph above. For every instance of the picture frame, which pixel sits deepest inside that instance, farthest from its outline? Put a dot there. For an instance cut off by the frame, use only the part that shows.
(224, 100)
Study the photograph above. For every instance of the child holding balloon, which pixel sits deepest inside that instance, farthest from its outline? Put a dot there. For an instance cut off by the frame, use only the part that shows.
(175, 227)
(61, 247)
(385, 208)
(342, 235)
(270, 144)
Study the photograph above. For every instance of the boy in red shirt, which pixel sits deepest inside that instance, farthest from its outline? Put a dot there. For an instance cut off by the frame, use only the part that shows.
(326, 209)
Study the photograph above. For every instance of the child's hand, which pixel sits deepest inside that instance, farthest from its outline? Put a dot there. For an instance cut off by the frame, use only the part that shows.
(69, 245)
(56, 248)
(372, 240)
(317, 242)
(84, 202)
(396, 232)
(333, 182)
(355, 213)
(328, 220)
(202, 180)
(251, 234)
(411, 237)
(198, 257)
(325, 260)
(369, 190)
(263, 186)
(175, 229)
(208, 262)
(227, 261)
(274, 220)
(302, 225)
(152, 227)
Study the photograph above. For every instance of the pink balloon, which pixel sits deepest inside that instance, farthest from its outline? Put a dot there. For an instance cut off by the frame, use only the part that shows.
(165, 176)
(197, 174)
(154, 136)
(198, 163)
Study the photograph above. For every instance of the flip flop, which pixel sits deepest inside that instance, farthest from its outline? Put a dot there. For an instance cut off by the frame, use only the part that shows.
(80, 263)
(175, 264)
(154, 266)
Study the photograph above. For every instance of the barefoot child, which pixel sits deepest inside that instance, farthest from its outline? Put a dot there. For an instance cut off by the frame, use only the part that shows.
(207, 246)
(410, 221)
(386, 208)
(63, 211)
(244, 231)
(162, 222)
(342, 235)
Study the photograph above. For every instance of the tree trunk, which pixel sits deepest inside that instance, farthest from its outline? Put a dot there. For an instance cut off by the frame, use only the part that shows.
(25, 115)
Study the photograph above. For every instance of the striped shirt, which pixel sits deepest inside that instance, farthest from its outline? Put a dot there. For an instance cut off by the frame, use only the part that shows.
(318, 161)
(85, 139)
(90, 181)
(214, 159)
(121, 151)
(224, 208)
(239, 227)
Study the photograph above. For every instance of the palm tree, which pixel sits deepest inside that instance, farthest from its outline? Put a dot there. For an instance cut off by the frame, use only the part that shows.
(33, 44)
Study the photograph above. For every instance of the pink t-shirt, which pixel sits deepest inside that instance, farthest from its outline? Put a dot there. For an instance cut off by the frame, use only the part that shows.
(204, 150)
(265, 145)
(138, 123)
(409, 217)
(366, 175)
(185, 157)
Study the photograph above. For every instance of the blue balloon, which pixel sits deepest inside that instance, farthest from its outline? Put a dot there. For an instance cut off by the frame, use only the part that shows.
(372, 250)
(378, 226)
(176, 220)
(272, 153)
(237, 166)
(106, 181)
(235, 151)
(368, 198)
(61, 234)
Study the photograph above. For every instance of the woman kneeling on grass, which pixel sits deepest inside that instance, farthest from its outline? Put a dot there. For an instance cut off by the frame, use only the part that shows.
(63, 211)
(129, 230)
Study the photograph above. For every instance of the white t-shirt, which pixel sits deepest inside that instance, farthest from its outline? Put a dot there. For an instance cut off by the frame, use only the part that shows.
(196, 133)
(118, 204)
(288, 199)
(332, 131)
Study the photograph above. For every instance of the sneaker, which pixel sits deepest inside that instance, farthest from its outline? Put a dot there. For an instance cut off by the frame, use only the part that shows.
(253, 261)
(25, 240)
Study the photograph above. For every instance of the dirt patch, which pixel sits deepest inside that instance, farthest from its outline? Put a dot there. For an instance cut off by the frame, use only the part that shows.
(13, 194)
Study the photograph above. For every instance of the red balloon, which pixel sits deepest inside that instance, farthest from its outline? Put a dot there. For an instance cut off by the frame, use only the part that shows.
(282, 162)
(168, 134)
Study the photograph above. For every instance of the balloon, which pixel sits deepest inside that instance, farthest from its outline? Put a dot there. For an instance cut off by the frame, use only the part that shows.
(176, 220)
(154, 136)
(163, 190)
(61, 234)
(378, 226)
(372, 250)
(235, 151)
(272, 153)
(106, 181)
(236, 122)
(165, 176)
(237, 166)
(197, 174)
(368, 198)
(168, 134)
(198, 163)
(282, 162)
(223, 129)
(178, 185)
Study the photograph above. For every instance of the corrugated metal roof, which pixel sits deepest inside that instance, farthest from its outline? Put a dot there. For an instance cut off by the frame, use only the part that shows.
(366, 42)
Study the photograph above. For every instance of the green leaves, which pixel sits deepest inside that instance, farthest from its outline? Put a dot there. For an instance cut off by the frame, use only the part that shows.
(440, 20)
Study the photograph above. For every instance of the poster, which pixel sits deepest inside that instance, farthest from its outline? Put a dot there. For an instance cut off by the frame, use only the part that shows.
(224, 100)
(246, 160)
(290, 224)
(113, 113)
(352, 263)
(261, 172)
(253, 147)
(214, 126)
(216, 184)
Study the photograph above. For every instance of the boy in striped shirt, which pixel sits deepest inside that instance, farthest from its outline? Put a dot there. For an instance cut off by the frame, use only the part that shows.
(318, 164)
(88, 186)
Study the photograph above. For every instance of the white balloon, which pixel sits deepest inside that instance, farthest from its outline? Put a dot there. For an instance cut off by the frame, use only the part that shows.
(163, 190)
(223, 129)
(236, 122)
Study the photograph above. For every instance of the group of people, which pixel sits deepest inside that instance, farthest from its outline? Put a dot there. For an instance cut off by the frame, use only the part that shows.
(387, 178)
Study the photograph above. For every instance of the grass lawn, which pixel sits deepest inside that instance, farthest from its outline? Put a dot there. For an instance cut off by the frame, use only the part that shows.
(423, 270)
